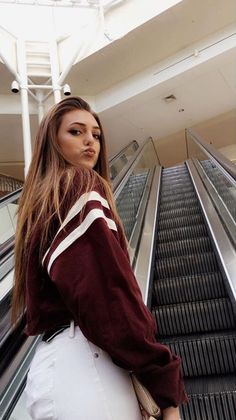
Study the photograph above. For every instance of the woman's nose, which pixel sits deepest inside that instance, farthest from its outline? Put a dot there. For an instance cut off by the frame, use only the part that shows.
(88, 138)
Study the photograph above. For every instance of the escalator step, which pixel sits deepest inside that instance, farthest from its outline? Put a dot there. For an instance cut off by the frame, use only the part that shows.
(183, 196)
(175, 183)
(176, 193)
(179, 204)
(174, 173)
(186, 265)
(176, 222)
(188, 289)
(179, 222)
(178, 212)
(210, 399)
(181, 233)
(194, 317)
(188, 246)
(213, 354)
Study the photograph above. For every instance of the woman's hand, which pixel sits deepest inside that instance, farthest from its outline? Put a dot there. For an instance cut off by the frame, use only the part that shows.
(171, 413)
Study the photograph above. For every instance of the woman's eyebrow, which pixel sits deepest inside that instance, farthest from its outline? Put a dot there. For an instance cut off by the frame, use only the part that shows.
(85, 125)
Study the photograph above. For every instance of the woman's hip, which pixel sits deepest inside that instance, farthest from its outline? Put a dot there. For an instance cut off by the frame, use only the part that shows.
(76, 380)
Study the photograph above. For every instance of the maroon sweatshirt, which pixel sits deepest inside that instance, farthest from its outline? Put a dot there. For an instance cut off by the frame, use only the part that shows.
(86, 275)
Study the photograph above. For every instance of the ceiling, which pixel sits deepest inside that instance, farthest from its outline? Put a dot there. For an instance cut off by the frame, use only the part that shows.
(175, 29)
(201, 94)
(206, 93)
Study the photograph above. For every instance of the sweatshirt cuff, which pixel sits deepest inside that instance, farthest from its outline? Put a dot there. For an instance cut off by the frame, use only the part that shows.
(165, 383)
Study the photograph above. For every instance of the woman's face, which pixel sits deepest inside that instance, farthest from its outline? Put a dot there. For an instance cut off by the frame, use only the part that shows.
(79, 138)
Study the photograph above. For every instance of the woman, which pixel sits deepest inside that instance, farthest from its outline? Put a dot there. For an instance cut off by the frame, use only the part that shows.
(72, 273)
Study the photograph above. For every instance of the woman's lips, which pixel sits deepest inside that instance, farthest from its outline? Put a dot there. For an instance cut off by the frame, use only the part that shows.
(89, 152)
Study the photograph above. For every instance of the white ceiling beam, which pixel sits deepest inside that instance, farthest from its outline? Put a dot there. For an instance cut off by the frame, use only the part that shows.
(155, 75)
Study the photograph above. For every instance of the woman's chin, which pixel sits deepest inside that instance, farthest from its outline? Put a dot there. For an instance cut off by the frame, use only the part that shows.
(86, 164)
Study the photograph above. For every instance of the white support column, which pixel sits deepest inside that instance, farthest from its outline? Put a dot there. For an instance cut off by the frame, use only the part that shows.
(55, 71)
(39, 95)
(21, 59)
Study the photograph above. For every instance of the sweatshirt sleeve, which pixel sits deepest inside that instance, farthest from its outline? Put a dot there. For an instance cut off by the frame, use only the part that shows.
(94, 277)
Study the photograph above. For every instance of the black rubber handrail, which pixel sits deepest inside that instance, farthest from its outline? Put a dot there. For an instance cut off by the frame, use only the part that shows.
(218, 156)
(6, 247)
(117, 155)
(9, 198)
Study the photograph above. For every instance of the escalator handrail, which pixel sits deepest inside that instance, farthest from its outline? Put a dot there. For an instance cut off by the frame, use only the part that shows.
(124, 174)
(9, 198)
(6, 247)
(228, 166)
(121, 152)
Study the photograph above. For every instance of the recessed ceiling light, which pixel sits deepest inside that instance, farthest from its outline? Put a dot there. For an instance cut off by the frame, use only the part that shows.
(169, 98)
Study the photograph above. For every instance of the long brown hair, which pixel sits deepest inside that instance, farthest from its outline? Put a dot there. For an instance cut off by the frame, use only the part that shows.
(48, 183)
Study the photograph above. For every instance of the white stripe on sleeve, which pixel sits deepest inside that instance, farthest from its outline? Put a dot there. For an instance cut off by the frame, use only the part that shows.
(79, 231)
(76, 209)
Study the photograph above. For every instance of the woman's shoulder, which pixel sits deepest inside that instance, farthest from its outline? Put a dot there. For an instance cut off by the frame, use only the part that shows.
(87, 180)
(79, 185)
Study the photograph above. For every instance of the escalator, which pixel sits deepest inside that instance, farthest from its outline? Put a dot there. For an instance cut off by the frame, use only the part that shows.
(188, 290)
(190, 302)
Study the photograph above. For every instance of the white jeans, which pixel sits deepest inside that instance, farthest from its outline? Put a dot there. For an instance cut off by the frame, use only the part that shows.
(72, 379)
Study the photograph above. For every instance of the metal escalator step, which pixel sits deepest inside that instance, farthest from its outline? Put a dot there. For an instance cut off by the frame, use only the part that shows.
(186, 265)
(174, 172)
(195, 219)
(213, 354)
(179, 212)
(188, 289)
(183, 196)
(194, 317)
(187, 246)
(175, 183)
(179, 204)
(178, 179)
(181, 233)
(173, 190)
(176, 192)
(210, 398)
(174, 176)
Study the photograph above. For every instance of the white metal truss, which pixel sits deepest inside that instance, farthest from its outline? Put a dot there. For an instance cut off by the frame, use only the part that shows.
(89, 4)
(51, 81)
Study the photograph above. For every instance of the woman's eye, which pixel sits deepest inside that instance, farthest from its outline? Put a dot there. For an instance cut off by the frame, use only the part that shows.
(97, 136)
(75, 132)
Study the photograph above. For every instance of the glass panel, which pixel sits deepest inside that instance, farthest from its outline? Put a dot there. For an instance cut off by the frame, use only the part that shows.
(120, 162)
(9, 184)
(7, 222)
(130, 198)
(7, 229)
(225, 188)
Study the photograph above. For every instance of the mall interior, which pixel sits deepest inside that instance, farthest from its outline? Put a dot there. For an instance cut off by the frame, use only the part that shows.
(161, 75)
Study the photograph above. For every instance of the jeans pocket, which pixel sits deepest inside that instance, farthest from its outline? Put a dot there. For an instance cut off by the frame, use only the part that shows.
(39, 389)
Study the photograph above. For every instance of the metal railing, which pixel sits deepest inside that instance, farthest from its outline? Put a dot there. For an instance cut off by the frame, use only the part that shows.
(219, 177)
(229, 167)
(9, 184)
